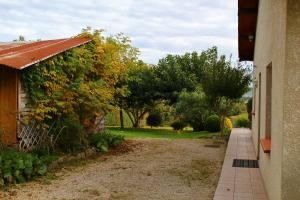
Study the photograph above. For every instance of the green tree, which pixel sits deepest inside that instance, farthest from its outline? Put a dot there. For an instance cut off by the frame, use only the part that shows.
(171, 79)
(141, 95)
(224, 84)
(192, 108)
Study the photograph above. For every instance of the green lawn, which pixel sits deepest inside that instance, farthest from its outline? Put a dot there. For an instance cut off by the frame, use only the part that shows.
(160, 133)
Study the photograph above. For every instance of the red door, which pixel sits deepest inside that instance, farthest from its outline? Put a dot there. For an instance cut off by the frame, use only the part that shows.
(8, 105)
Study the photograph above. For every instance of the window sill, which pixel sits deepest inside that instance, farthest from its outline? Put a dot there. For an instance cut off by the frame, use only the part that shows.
(266, 145)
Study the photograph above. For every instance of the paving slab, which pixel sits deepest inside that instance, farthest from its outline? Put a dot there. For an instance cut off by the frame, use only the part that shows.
(238, 183)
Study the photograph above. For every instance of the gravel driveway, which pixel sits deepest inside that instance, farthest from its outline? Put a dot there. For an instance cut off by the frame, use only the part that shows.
(158, 169)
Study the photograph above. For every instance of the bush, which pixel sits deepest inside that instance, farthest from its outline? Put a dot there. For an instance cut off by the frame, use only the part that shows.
(249, 111)
(154, 119)
(178, 125)
(212, 123)
(227, 124)
(241, 122)
(71, 139)
(102, 141)
(18, 167)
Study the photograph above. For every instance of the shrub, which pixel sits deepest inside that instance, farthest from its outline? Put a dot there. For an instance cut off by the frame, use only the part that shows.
(71, 139)
(178, 125)
(227, 124)
(249, 111)
(212, 123)
(102, 141)
(154, 119)
(241, 122)
(18, 167)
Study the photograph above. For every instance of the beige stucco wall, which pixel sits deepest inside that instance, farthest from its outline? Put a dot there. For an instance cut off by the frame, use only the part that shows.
(291, 106)
(270, 47)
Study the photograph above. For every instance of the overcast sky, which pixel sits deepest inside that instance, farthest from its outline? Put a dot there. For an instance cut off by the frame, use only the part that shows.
(156, 27)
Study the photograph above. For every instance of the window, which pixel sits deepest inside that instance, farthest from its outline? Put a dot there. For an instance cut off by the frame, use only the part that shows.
(268, 101)
(266, 142)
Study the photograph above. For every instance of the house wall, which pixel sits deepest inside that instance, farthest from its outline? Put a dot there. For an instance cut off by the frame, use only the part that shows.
(291, 106)
(270, 48)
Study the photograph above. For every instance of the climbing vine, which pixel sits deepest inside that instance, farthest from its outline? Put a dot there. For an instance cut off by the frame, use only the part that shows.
(79, 84)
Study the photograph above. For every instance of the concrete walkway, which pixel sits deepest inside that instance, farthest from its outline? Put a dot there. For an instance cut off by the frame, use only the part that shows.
(240, 183)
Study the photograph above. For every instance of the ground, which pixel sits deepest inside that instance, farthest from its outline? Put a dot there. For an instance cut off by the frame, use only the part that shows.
(157, 169)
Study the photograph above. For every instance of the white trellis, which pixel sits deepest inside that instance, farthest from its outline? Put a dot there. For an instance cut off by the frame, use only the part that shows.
(32, 135)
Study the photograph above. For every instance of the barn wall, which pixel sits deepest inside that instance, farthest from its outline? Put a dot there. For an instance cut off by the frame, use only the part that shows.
(8, 104)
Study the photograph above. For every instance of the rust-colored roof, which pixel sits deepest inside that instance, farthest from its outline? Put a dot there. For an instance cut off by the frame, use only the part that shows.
(22, 56)
(6, 45)
(247, 28)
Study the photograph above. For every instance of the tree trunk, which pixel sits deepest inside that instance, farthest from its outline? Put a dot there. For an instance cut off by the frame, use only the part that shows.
(136, 123)
(222, 125)
(121, 119)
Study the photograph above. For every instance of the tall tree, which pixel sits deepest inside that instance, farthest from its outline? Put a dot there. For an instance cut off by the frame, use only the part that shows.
(141, 93)
(224, 84)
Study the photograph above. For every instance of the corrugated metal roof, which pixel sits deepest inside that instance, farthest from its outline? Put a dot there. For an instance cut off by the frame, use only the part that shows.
(6, 45)
(22, 56)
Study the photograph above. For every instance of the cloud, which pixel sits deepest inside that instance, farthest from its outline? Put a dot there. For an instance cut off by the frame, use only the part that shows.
(156, 27)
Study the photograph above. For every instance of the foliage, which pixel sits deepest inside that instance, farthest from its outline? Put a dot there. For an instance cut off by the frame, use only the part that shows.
(237, 108)
(113, 119)
(154, 119)
(72, 139)
(227, 125)
(192, 108)
(249, 111)
(103, 141)
(241, 122)
(178, 125)
(18, 167)
(80, 84)
(249, 105)
(223, 80)
(212, 123)
(141, 93)
(172, 77)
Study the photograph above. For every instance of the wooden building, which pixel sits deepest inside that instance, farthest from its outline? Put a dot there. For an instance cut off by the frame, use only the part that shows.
(14, 57)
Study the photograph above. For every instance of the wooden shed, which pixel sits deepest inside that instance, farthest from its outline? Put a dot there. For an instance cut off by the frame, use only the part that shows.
(13, 58)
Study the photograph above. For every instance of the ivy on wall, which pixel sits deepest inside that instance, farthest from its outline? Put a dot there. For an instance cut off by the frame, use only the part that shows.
(80, 83)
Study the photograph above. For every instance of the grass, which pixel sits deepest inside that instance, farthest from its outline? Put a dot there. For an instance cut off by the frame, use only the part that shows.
(163, 132)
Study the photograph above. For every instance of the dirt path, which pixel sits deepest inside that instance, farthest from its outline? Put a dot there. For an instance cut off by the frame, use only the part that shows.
(157, 169)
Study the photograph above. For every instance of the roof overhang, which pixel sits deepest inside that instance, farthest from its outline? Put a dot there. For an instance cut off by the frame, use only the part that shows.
(22, 56)
(247, 13)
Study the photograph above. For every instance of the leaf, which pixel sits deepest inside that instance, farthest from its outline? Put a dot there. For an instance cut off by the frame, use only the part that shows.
(42, 169)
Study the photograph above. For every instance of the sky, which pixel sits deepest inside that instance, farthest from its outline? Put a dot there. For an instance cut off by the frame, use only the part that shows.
(156, 27)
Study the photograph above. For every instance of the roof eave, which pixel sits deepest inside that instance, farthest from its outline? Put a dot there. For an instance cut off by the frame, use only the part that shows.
(247, 14)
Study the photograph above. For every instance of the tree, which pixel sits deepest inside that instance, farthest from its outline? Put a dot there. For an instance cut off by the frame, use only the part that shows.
(171, 79)
(141, 95)
(224, 84)
(192, 108)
